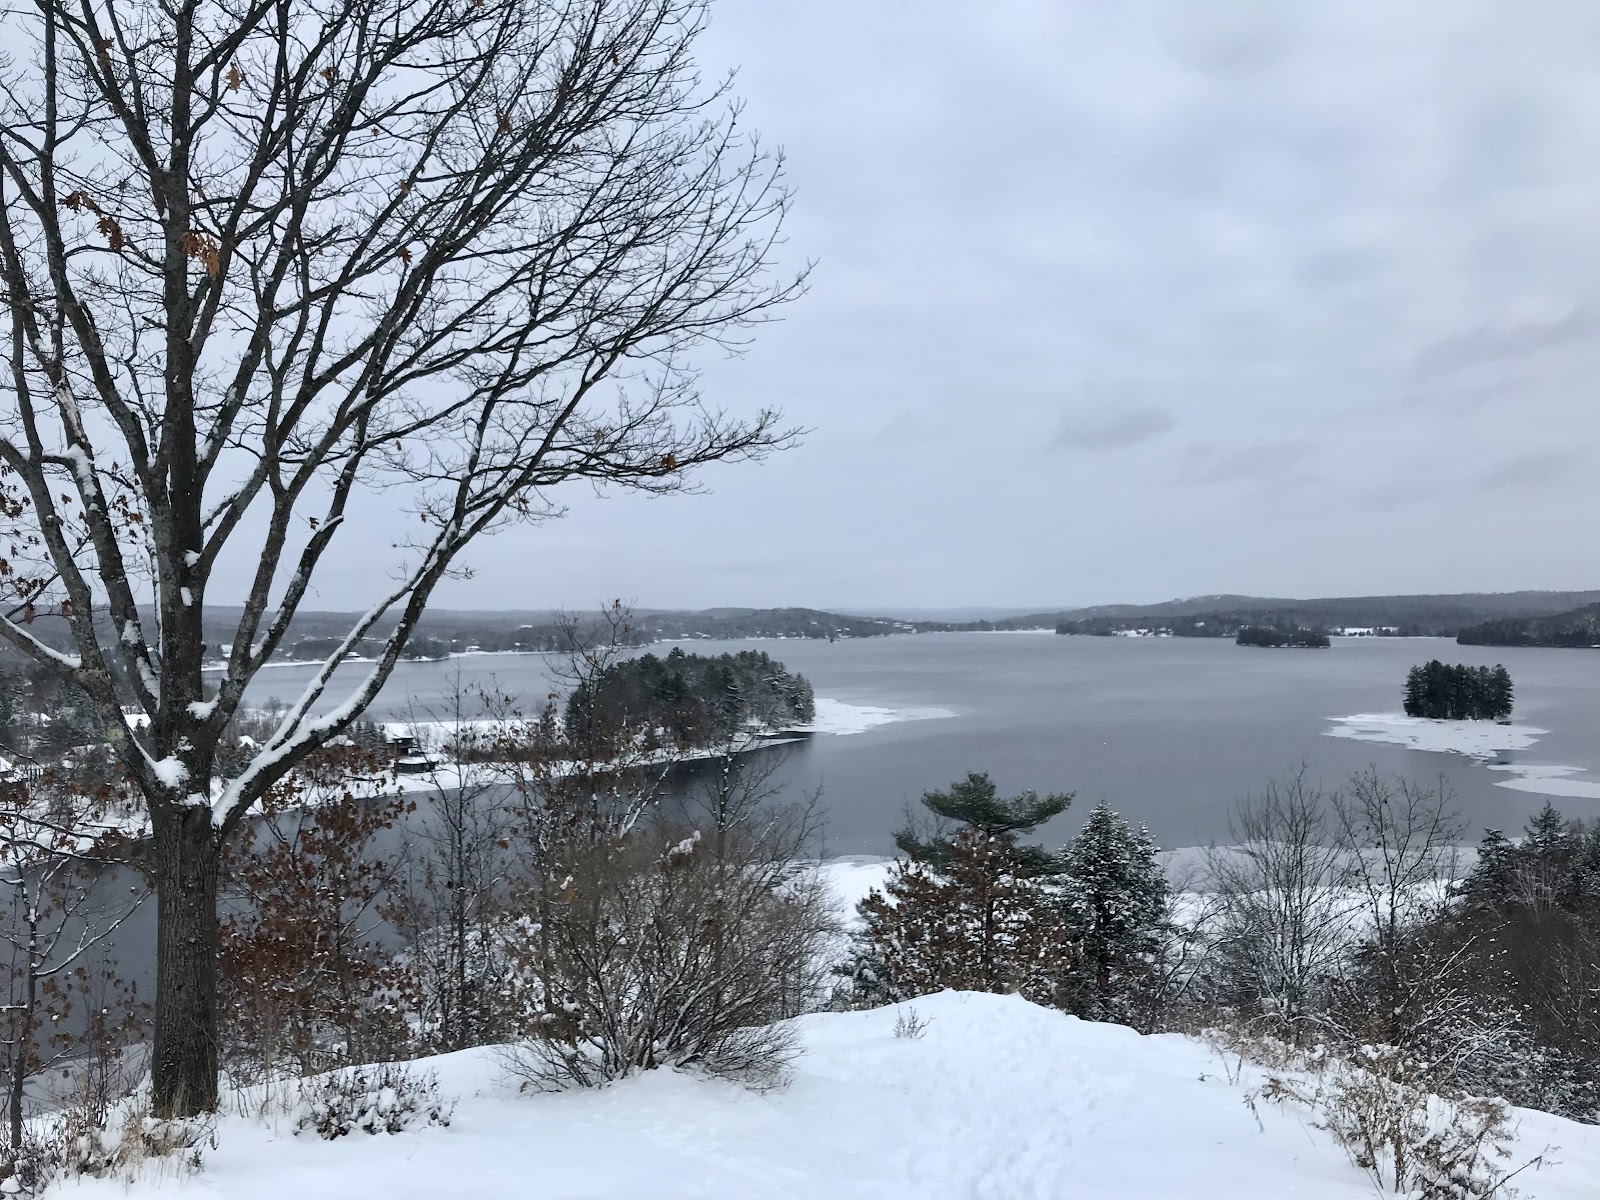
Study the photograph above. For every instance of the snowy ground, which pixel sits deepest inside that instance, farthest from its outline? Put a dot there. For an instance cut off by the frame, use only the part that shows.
(998, 1100)
(853, 876)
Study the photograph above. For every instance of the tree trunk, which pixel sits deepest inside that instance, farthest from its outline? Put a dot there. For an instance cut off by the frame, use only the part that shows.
(26, 1030)
(184, 1059)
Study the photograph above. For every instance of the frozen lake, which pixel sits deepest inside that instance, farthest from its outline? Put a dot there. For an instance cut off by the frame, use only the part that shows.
(1168, 730)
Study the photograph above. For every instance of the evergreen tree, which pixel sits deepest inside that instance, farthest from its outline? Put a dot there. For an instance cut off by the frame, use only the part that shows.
(1413, 693)
(1546, 833)
(974, 804)
(1490, 883)
(1583, 890)
(1458, 693)
(1114, 895)
(976, 922)
(1503, 692)
(1526, 941)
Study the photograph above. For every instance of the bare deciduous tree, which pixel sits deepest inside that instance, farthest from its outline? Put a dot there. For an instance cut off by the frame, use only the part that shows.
(258, 259)
(1410, 982)
(450, 903)
(1285, 923)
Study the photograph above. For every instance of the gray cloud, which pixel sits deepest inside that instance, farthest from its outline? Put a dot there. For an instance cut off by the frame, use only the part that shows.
(1350, 246)
(1209, 465)
(1535, 469)
(1500, 341)
(1114, 430)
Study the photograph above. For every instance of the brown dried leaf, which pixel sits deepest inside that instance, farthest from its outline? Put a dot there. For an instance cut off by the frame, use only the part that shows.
(235, 78)
(114, 239)
(669, 462)
(79, 200)
(201, 246)
(328, 74)
(504, 122)
(405, 255)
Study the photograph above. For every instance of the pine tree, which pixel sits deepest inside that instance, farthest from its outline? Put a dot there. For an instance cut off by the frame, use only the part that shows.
(1546, 833)
(974, 804)
(1549, 867)
(1413, 693)
(1583, 891)
(975, 922)
(1458, 693)
(1504, 694)
(1114, 894)
(1490, 883)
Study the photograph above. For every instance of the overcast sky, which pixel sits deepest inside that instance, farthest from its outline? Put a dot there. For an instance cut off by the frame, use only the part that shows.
(1124, 301)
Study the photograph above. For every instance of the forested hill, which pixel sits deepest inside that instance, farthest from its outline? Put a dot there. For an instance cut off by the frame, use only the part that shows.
(734, 623)
(1419, 615)
(1508, 618)
(1580, 627)
(446, 631)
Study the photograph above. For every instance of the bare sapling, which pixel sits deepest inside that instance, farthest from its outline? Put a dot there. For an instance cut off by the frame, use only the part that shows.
(307, 985)
(67, 1009)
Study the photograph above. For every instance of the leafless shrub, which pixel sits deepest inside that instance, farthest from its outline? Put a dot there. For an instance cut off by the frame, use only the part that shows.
(663, 953)
(381, 1099)
(1400, 854)
(124, 1142)
(1174, 1000)
(908, 1024)
(1380, 1107)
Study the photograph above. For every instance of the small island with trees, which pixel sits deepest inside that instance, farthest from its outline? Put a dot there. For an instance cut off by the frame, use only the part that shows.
(1458, 693)
(689, 701)
(1267, 635)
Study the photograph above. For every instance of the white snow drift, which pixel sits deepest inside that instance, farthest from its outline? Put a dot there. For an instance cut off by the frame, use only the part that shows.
(999, 1100)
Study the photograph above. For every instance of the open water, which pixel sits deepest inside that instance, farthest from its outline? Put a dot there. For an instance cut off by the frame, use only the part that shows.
(1170, 731)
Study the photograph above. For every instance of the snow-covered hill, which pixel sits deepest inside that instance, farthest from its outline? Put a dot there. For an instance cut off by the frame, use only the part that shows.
(998, 1099)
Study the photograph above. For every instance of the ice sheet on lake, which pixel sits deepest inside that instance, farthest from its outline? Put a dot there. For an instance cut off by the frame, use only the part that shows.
(1482, 740)
(841, 717)
(1548, 781)
(1475, 739)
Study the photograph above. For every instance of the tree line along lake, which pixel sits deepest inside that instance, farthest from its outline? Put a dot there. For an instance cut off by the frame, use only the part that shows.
(1170, 731)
